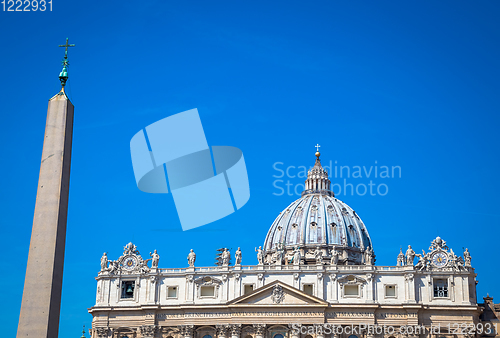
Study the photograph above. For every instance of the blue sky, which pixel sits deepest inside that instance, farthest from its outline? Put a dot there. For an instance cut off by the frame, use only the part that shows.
(376, 83)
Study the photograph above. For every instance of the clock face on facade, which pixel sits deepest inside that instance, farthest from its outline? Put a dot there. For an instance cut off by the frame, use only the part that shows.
(439, 259)
(130, 262)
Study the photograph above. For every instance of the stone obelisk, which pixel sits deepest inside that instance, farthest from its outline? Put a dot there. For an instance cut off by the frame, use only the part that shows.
(41, 302)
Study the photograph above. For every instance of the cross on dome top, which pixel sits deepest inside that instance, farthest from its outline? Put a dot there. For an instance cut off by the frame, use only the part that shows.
(317, 150)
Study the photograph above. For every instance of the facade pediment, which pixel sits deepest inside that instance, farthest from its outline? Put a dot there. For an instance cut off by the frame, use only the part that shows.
(278, 293)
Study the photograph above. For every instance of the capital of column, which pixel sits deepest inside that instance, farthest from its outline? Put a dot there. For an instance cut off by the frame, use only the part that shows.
(235, 330)
(260, 329)
(148, 330)
(186, 330)
(102, 332)
(221, 330)
(293, 330)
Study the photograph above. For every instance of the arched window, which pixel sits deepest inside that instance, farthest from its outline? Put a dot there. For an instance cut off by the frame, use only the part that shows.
(353, 336)
(207, 336)
(278, 335)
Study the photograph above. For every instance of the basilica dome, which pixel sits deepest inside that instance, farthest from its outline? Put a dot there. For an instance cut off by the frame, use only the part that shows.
(318, 222)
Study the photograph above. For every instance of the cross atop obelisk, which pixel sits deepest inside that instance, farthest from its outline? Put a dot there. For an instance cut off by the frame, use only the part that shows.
(63, 76)
(41, 302)
(66, 45)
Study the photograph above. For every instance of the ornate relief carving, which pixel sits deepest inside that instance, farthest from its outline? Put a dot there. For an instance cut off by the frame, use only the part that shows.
(235, 329)
(260, 329)
(186, 330)
(278, 294)
(440, 257)
(102, 332)
(352, 280)
(222, 330)
(409, 277)
(148, 330)
(129, 262)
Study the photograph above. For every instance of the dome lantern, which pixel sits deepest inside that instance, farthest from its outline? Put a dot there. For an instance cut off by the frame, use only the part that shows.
(317, 181)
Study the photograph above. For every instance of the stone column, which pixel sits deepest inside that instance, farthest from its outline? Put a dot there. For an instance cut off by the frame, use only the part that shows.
(369, 288)
(221, 331)
(296, 280)
(186, 331)
(235, 330)
(237, 285)
(319, 331)
(41, 302)
(102, 332)
(224, 288)
(334, 288)
(293, 332)
(152, 289)
(410, 282)
(319, 286)
(260, 277)
(148, 331)
(189, 288)
(465, 290)
(260, 330)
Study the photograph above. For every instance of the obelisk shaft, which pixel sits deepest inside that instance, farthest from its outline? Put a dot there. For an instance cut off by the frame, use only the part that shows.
(41, 302)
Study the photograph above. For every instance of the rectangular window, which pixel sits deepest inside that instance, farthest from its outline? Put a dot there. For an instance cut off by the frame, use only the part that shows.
(440, 288)
(308, 289)
(351, 290)
(128, 288)
(207, 291)
(248, 289)
(172, 292)
(390, 291)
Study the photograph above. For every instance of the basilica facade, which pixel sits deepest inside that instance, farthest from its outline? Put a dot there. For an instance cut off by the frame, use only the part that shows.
(316, 277)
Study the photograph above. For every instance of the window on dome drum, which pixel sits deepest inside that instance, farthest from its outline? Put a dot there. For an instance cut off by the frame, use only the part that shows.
(128, 288)
(390, 291)
(440, 288)
(351, 290)
(353, 336)
(308, 289)
(207, 291)
(248, 288)
(172, 292)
